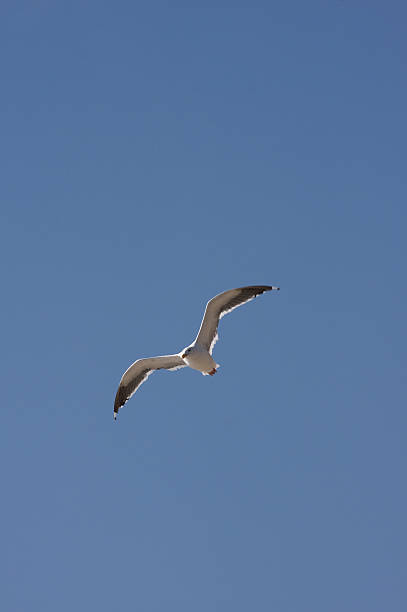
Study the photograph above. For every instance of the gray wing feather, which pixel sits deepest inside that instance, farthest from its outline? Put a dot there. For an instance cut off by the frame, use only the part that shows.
(138, 373)
(222, 304)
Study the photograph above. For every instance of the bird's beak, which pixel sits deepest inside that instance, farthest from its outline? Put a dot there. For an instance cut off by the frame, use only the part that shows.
(183, 356)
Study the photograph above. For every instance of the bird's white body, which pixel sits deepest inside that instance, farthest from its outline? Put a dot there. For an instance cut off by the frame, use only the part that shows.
(199, 359)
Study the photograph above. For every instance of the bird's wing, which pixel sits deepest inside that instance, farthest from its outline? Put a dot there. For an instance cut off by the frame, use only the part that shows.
(220, 305)
(139, 371)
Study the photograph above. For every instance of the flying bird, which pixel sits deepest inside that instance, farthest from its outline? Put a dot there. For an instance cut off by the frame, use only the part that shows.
(198, 355)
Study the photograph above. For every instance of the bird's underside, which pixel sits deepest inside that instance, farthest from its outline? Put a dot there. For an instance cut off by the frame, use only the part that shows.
(198, 355)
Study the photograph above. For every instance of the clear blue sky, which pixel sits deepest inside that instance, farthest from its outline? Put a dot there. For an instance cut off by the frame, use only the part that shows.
(154, 154)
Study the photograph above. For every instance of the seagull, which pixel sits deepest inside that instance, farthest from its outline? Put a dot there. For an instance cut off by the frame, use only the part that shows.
(197, 355)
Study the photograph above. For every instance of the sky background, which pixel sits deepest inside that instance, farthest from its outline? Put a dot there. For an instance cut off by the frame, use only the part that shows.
(154, 154)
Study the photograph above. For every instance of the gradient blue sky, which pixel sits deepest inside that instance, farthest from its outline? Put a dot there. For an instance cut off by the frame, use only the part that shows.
(154, 154)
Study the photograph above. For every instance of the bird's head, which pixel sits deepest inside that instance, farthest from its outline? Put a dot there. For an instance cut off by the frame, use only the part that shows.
(186, 352)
